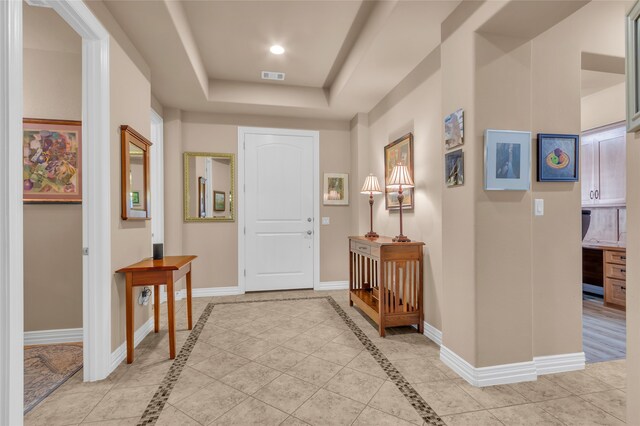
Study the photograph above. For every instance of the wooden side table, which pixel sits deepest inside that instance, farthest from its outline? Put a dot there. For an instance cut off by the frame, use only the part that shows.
(386, 280)
(155, 273)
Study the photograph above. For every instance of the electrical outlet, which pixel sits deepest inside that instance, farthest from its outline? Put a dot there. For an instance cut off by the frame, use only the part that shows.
(326, 220)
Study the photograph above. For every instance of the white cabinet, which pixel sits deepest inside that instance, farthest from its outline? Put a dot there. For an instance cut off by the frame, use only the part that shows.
(603, 166)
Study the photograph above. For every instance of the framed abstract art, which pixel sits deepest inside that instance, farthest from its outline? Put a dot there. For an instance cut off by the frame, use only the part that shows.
(454, 168)
(558, 158)
(397, 152)
(51, 161)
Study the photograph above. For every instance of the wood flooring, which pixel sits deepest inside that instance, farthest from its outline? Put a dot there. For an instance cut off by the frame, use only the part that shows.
(604, 331)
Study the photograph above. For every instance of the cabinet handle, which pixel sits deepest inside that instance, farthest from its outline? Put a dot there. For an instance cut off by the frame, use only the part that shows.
(597, 193)
(362, 247)
(623, 289)
(623, 257)
(623, 270)
(591, 194)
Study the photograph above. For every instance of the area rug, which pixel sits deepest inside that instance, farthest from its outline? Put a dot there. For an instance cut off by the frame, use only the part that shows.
(158, 401)
(46, 367)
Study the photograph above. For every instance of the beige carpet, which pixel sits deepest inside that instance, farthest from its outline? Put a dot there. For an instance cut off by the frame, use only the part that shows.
(46, 367)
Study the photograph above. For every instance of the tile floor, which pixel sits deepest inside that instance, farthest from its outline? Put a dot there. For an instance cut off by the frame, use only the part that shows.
(297, 363)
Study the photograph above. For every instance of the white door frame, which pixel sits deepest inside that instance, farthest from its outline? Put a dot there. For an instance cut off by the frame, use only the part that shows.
(157, 177)
(96, 207)
(242, 131)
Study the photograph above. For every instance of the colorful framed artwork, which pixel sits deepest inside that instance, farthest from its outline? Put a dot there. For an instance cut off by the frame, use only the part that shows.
(336, 189)
(454, 129)
(398, 151)
(454, 168)
(558, 158)
(51, 161)
(507, 160)
(219, 201)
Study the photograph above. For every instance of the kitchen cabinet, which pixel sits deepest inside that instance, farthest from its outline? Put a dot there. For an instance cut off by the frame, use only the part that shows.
(603, 166)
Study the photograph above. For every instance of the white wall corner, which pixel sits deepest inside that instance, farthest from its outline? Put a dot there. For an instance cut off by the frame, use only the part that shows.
(488, 376)
(120, 353)
(433, 333)
(332, 285)
(559, 363)
(49, 337)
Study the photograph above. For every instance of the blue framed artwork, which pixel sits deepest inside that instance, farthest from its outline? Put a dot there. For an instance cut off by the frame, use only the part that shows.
(507, 160)
(558, 158)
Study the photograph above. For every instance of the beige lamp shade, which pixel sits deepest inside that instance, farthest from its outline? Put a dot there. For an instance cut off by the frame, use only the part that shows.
(371, 185)
(400, 176)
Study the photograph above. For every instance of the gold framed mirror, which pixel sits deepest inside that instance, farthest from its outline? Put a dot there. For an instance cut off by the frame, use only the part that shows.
(209, 181)
(135, 179)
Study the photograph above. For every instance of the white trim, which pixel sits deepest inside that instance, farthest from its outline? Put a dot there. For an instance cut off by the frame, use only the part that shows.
(632, 76)
(11, 225)
(559, 363)
(433, 333)
(157, 178)
(120, 353)
(488, 376)
(48, 337)
(213, 291)
(241, 197)
(96, 183)
(332, 285)
(204, 292)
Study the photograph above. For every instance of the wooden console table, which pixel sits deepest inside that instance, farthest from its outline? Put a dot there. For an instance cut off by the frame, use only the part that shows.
(386, 279)
(155, 273)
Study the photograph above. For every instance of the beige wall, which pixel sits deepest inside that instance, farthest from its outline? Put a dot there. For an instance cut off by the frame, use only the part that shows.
(52, 232)
(130, 240)
(216, 244)
(418, 112)
(604, 107)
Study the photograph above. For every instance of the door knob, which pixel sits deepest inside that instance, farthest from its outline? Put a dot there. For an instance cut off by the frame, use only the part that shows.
(309, 219)
(309, 232)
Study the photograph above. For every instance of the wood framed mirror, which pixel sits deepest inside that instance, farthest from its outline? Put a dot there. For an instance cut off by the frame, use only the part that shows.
(209, 181)
(135, 179)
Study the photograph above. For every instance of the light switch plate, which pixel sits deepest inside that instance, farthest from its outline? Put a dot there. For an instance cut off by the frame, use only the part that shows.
(326, 220)
(539, 207)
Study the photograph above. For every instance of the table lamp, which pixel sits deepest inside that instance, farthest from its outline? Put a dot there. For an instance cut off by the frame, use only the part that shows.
(371, 187)
(399, 178)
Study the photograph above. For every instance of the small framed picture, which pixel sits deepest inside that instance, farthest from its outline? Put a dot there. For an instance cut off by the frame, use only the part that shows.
(454, 168)
(135, 198)
(336, 189)
(558, 158)
(219, 201)
(507, 160)
(454, 129)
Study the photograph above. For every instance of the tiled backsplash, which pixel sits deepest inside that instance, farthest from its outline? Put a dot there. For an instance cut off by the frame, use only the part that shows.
(608, 225)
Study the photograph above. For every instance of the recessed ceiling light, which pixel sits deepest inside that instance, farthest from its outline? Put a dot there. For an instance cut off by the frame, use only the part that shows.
(276, 49)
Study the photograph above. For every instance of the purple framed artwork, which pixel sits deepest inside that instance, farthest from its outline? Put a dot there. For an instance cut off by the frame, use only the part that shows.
(52, 161)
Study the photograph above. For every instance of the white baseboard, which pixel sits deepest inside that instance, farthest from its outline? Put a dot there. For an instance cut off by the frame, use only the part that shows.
(204, 292)
(559, 363)
(120, 353)
(488, 376)
(433, 333)
(332, 285)
(47, 337)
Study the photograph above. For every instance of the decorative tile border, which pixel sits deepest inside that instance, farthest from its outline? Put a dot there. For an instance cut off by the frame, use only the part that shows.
(157, 403)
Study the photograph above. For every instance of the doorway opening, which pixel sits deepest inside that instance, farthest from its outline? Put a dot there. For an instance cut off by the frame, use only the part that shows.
(603, 180)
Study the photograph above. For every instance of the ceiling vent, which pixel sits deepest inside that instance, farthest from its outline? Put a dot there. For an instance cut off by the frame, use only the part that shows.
(270, 75)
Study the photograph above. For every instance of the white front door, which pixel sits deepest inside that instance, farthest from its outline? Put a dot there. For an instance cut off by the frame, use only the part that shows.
(279, 209)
